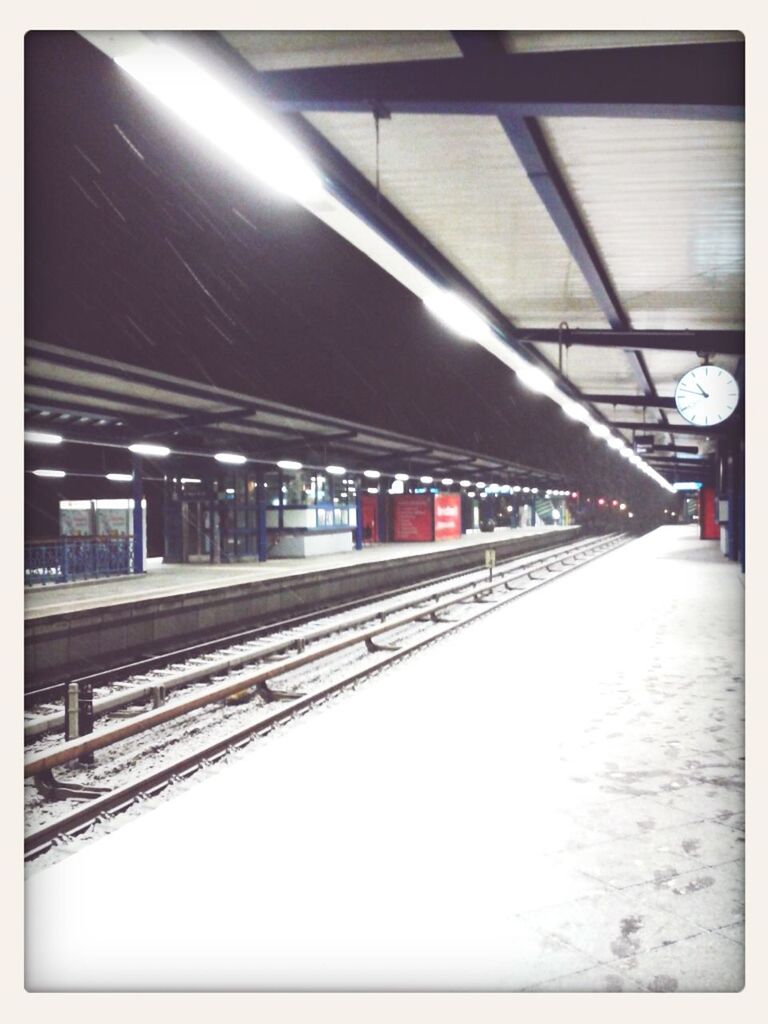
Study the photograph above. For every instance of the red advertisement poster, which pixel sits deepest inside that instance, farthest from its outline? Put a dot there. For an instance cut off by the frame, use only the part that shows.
(412, 517)
(709, 528)
(447, 516)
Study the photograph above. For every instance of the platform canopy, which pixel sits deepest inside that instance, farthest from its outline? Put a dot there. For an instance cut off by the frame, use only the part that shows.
(587, 187)
(114, 405)
(581, 192)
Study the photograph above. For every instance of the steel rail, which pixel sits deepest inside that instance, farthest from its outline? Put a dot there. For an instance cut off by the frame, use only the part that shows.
(45, 724)
(226, 663)
(104, 807)
(72, 749)
(148, 664)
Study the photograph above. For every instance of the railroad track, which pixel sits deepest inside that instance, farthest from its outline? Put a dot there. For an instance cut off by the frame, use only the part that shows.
(242, 689)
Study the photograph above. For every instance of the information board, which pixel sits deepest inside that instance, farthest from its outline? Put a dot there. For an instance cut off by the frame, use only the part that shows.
(412, 517)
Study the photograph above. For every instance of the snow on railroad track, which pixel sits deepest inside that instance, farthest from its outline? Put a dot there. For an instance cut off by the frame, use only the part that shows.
(136, 756)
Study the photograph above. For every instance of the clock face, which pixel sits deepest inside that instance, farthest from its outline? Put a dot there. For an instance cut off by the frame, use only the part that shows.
(706, 395)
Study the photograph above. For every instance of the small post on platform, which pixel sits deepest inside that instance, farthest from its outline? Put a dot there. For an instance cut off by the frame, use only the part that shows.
(71, 712)
(85, 718)
(137, 488)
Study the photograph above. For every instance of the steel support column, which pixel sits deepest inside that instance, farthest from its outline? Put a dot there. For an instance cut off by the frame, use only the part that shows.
(137, 490)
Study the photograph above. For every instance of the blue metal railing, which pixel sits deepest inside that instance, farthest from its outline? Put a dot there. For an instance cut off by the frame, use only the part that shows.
(77, 558)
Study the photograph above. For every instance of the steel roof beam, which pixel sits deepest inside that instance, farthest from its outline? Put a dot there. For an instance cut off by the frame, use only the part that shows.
(715, 342)
(528, 142)
(642, 401)
(533, 152)
(701, 81)
(662, 428)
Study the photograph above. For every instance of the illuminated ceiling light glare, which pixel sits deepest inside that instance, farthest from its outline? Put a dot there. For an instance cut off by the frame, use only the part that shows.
(626, 453)
(58, 473)
(457, 315)
(190, 480)
(516, 489)
(446, 481)
(574, 494)
(335, 470)
(33, 437)
(574, 410)
(372, 490)
(230, 458)
(631, 515)
(465, 483)
(481, 485)
(224, 120)
(599, 429)
(536, 380)
(615, 442)
(526, 490)
(289, 464)
(622, 506)
(372, 474)
(402, 477)
(157, 451)
(534, 490)
(426, 479)
(120, 477)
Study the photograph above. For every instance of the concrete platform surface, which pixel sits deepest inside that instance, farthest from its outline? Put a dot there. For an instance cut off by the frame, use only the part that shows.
(551, 799)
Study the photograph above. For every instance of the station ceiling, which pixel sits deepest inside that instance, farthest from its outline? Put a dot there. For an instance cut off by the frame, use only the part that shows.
(598, 218)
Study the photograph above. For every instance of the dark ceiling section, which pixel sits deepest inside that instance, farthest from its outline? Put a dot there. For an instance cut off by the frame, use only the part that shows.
(143, 247)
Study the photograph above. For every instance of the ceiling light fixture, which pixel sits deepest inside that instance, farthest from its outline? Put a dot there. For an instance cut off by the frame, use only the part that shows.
(158, 451)
(34, 438)
(230, 458)
(120, 477)
(457, 315)
(49, 472)
(289, 464)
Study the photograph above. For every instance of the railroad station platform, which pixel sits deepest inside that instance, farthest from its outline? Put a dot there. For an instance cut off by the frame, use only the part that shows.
(79, 628)
(550, 800)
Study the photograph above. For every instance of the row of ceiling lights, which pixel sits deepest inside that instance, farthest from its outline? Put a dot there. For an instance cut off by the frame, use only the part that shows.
(233, 458)
(249, 137)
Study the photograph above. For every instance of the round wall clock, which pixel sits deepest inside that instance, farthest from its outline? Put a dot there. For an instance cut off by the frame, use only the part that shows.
(706, 395)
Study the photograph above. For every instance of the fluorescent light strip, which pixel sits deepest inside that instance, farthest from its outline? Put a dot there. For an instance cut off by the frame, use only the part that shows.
(249, 138)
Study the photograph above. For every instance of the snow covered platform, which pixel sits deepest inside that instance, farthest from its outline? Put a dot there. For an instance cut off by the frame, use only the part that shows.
(550, 799)
(84, 627)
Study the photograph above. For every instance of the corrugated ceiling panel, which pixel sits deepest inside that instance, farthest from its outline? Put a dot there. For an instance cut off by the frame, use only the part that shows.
(594, 369)
(529, 42)
(664, 201)
(457, 179)
(269, 51)
(667, 368)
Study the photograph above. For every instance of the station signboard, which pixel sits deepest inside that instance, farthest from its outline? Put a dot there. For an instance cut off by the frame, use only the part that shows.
(447, 516)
